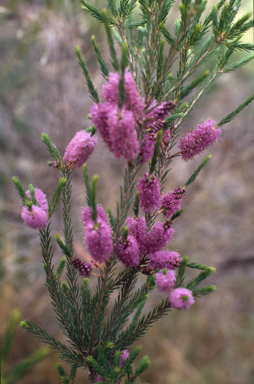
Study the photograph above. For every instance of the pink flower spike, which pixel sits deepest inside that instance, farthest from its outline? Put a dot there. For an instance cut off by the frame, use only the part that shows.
(98, 239)
(86, 214)
(138, 229)
(149, 188)
(83, 268)
(133, 101)
(165, 259)
(165, 280)
(127, 252)
(37, 218)
(41, 199)
(181, 298)
(198, 140)
(80, 148)
(159, 236)
(123, 134)
(147, 147)
(100, 114)
(171, 201)
(125, 355)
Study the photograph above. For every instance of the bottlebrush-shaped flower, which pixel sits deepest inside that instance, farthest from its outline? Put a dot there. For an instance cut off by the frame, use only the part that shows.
(138, 229)
(165, 280)
(83, 268)
(80, 148)
(35, 217)
(123, 134)
(98, 239)
(41, 199)
(154, 122)
(100, 114)
(125, 355)
(199, 139)
(165, 259)
(128, 252)
(181, 298)
(86, 214)
(149, 188)
(159, 236)
(132, 100)
(171, 201)
(118, 126)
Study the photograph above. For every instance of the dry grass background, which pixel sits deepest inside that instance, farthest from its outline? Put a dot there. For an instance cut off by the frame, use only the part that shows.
(42, 90)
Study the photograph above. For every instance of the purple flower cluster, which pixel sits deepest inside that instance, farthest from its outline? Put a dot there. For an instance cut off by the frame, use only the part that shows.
(142, 245)
(128, 252)
(199, 139)
(118, 126)
(159, 236)
(86, 214)
(181, 298)
(125, 355)
(83, 268)
(132, 99)
(80, 148)
(165, 259)
(36, 217)
(97, 234)
(137, 229)
(171, 201)
(149, 188)
(165, 280)
(155, 120)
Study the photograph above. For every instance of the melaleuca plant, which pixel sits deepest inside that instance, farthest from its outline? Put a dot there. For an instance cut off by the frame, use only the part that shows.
(153, 84)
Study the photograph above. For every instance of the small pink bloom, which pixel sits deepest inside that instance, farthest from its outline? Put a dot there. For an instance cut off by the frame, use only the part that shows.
(37, 218)
(149, 188)
(98, 239)
(181, 298)
(41, 199)
(127, 252)
(125, 355)
(123, 134)
(137, 229)
(165, 281)
(86, 214)
(165, 259)
(100, 114)
(83, 268)
(198, 140)
(80, 148)
(159, 236)
(171, 201)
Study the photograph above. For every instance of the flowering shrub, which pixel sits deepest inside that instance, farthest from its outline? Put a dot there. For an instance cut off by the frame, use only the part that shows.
(143, 105)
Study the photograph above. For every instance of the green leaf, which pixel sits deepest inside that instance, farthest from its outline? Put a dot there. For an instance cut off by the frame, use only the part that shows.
(93, 92)
(203, 291)
(9, 336)
(103, 66)
(195, 174)
(87, 184)
(26, 365)
(232, 115)
(51, 148)
(202, 276)
(20, 189)
(156, 151)
(114, 59)
(56, 198)
(111, 218)
(93, 196)
(63, 247)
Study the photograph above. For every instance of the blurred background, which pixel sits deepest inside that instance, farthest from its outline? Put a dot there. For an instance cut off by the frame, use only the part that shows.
(42, 89)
